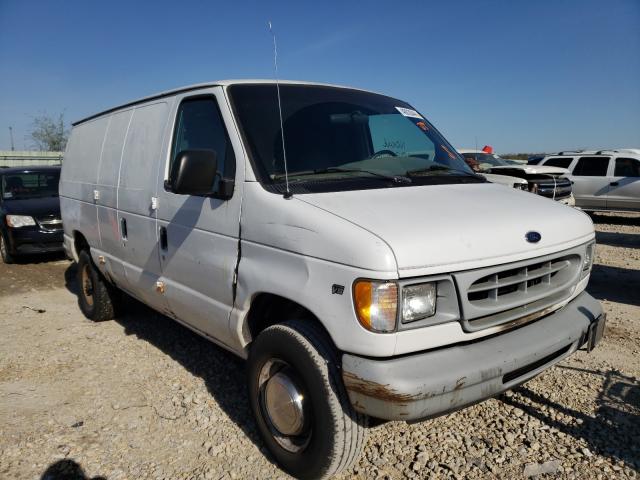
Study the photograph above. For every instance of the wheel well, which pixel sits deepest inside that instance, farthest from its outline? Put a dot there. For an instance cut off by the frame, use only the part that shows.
(269, 309)
(79, 242)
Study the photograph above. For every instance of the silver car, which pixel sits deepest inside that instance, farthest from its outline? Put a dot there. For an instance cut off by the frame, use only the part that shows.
(602, 180)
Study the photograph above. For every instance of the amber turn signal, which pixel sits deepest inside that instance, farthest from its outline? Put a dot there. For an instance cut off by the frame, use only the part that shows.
(376, 305)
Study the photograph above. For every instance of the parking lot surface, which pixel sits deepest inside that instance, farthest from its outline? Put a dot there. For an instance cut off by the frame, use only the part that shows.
(143, 397)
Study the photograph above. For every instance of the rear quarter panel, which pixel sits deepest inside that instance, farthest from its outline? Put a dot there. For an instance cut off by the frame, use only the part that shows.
(79, 177)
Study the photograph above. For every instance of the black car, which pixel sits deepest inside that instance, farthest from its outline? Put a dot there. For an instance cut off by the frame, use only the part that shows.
(29, 211)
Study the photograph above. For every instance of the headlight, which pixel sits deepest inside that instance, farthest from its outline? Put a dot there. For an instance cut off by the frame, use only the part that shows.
(589, 253)
(522, 186)
(17, 221)
(376, 305)
(418, 301)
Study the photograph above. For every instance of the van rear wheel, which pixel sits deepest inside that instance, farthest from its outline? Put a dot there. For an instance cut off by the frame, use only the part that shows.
(299, 401)
(98, 299)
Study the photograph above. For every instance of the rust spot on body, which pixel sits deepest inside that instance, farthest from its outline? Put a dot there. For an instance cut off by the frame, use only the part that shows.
(353, 383)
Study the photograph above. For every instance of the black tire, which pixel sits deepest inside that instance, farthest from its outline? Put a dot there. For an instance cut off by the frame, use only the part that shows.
(98, 299)
(4, 251)
(336, 432)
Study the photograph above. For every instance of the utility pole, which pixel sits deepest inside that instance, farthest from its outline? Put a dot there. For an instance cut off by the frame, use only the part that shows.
(11, 135)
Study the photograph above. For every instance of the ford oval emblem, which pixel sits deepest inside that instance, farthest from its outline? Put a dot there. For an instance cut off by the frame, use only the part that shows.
(533, 237)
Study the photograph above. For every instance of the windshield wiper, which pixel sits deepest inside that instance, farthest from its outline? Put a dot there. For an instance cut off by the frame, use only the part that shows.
(440, 168)
(319, 171)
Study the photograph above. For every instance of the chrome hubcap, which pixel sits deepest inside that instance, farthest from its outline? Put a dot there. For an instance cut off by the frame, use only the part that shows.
(284, 405)
(283, 402)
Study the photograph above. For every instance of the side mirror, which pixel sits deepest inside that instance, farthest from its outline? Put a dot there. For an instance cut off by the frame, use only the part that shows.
(194, 172)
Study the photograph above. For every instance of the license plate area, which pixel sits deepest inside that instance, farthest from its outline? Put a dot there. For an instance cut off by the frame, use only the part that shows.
(596, 331)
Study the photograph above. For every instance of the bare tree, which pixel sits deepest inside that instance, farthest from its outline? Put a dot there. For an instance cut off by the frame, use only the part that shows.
(49, 133)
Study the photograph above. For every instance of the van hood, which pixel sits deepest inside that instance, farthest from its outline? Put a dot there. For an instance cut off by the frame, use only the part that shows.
(441, 228)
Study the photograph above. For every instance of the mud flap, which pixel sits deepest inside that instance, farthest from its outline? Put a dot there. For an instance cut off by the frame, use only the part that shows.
(596, 332)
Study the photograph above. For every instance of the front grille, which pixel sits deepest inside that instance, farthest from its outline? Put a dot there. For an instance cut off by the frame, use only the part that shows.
(51, 223)
(501, 294)
(514, 281)
(559, 189)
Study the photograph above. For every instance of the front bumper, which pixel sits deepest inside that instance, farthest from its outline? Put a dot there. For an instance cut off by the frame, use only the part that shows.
(27, 240)
(435, 382)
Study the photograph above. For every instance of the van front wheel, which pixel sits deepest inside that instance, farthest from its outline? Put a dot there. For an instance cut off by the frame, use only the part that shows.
(98, 299)
(299, 401)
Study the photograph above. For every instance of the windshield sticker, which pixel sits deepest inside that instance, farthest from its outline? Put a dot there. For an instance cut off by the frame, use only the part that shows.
(407, 112)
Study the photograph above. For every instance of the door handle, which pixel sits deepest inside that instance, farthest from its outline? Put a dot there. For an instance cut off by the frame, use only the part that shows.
(614, 184)
(123, 228)
(163, 238)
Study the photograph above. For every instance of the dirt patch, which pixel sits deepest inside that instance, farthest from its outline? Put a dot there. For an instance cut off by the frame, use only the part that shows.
(33, 274)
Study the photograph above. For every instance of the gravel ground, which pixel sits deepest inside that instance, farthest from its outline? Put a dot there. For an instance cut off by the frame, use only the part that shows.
(143, 397)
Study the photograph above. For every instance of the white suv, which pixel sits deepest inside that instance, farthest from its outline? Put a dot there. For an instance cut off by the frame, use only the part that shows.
(602, 180)
(550, 182)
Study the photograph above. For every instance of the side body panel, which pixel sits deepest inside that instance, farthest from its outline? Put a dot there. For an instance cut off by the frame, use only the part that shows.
(624, 193)
(78, 180)
(108, 174)
(590, 192)
(137, 187)
(202, 233)
(286, 244)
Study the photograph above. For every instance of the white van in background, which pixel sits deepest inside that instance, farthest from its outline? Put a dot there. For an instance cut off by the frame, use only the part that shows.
(346, 255)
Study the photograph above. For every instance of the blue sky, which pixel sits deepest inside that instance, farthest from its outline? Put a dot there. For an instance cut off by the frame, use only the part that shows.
(521, 76)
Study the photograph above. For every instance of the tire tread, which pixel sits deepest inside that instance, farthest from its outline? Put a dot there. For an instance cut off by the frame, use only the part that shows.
(350, 425)
(105, 296)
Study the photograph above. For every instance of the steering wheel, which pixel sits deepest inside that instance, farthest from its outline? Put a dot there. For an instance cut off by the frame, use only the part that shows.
(384, 153)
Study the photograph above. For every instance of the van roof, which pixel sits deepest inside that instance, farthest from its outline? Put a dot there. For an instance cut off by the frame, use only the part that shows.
(197, 86)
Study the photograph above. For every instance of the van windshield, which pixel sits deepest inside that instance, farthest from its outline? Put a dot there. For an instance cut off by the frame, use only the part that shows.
(337, 138)
(25, 185)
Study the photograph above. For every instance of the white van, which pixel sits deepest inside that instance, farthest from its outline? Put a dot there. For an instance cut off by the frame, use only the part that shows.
(341, 249)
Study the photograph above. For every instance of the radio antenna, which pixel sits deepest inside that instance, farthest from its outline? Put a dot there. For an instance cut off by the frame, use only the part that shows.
(284, 150)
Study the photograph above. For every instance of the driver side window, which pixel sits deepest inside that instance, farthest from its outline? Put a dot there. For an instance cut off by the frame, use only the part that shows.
(199, 126)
